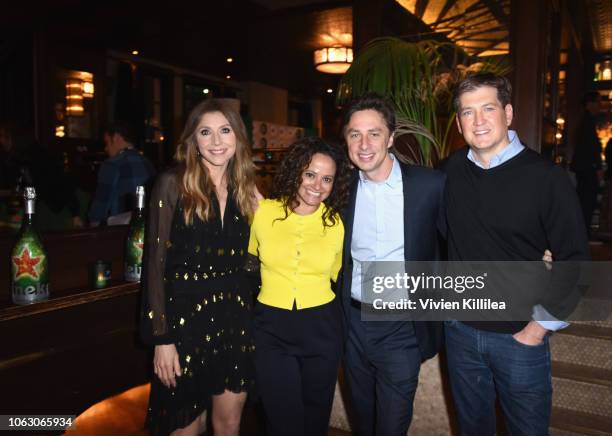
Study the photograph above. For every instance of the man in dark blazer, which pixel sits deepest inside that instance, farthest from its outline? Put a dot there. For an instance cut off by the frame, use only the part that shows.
(395, 213)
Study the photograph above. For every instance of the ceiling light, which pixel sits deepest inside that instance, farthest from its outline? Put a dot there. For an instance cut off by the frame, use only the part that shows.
(333, 60)
(230, 60)
(205, 91)
(135, 52)
(329, 90)
(228, 77)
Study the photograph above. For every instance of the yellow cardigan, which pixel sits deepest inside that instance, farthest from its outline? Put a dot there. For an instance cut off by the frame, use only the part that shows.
(298, 256)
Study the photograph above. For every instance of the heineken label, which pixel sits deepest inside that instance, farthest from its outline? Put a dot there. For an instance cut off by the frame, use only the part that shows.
(29, 272)
(133, 254)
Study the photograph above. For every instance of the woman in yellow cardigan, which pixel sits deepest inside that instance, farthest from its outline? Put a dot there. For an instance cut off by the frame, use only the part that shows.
(298, 236)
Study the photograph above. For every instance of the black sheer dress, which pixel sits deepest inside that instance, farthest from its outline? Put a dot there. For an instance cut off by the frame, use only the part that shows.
(195, 296)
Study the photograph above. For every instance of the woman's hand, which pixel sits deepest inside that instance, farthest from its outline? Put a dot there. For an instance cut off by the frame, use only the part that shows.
(166, 364)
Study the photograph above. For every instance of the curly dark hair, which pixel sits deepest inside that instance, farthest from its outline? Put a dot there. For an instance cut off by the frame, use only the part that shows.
(289, 176)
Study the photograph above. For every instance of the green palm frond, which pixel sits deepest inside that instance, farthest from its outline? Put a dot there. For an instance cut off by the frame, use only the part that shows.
(419, 78)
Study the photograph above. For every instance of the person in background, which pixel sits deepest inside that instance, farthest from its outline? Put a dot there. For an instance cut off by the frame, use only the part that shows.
(119, 175)
(297, 235)
(586, 161)
(196, 306)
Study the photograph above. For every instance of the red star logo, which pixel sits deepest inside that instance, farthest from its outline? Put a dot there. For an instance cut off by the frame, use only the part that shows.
(26, 264)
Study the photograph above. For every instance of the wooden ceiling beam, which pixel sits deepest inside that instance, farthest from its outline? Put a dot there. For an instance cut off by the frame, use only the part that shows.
(458, 17)
(467, 35)
(498, 11)
(419, 8)
(447, 7)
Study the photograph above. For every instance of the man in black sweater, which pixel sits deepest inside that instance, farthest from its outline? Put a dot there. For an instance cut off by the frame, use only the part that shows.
(504, 203)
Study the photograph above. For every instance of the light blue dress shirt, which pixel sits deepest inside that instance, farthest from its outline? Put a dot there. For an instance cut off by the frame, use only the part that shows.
(547, 321)
(378, 228)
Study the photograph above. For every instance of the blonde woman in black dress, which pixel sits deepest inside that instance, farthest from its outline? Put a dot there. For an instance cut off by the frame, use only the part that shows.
(196, 306)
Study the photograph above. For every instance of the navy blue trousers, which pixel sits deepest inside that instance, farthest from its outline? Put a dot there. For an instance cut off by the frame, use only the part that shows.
(484, 364)
(382, 364)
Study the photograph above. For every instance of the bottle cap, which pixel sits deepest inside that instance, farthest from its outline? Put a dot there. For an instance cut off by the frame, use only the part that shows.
(29, 193)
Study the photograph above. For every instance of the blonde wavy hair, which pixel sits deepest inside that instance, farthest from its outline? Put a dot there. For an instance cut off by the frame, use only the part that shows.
(194, 183)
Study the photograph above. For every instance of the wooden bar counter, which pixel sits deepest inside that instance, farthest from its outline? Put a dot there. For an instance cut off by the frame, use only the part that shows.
(79, 347)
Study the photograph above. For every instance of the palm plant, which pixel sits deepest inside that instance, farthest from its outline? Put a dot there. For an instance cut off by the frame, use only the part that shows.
(419, 78)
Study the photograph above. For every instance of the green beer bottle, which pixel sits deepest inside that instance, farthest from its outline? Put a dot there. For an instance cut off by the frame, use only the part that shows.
(29, 268)
(135, 240)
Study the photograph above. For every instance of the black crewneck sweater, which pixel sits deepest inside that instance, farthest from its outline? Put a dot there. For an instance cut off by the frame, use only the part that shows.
(512, 212)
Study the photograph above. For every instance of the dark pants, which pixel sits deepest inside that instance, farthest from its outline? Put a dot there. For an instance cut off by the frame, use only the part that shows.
(484, 364)
(382, 364)
(587, 186)
(297, 355)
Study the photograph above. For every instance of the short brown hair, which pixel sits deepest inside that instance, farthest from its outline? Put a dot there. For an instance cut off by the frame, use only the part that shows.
(123, 129)
(374, 102)
(478, 80)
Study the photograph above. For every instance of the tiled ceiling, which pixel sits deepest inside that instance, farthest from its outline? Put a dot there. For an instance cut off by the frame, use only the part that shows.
(480, 27)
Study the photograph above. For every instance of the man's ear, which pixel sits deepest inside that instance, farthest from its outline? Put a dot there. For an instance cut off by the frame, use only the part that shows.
(509, 114)
(390, 142)
(458, 124)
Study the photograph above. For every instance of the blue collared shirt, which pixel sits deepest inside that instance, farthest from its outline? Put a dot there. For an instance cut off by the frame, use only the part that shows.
(511, 150)
(378, 228)
(117, 180)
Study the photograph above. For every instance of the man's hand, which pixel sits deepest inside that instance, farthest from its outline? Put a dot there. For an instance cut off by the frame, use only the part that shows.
(548, 259)
(533, 334)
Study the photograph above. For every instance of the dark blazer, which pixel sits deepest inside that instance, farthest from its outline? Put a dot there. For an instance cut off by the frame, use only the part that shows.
(424, 226)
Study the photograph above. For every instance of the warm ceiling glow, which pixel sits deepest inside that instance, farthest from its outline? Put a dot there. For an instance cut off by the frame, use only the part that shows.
(230, 60)
(228, 77)
(205, 91)
(560, 121)
(329, 90)
(478, 26)
(135, 52)
(333, 60)
(559, 135)
(333, 27)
